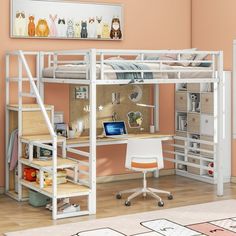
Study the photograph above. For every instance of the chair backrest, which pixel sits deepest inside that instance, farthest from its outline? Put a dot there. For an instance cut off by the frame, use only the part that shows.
(144, 148)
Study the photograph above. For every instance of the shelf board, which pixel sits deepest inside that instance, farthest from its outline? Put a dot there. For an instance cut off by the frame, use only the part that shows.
(15, 107)
(68, 189)
(61, 163)
(41, 138)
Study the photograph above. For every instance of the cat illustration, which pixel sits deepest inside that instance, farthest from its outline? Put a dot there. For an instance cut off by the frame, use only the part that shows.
(70, 29)
(77, 29)
(42, 29)
(105, 31)
(84, 31)
(20, 24)
(99, 26)
(92, 29)
(53, 27)
(31, 26)
(115, 29)
(61, 27)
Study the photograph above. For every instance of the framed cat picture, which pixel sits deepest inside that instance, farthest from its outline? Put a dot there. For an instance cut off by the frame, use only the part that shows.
(66, 19)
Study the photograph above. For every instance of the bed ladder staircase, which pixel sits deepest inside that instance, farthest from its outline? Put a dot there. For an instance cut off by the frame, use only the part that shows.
(48, 140)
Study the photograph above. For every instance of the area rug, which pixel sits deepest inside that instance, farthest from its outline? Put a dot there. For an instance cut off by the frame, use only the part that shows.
(215, 218)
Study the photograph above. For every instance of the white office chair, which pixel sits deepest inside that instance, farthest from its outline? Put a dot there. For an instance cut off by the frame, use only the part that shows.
(144, 155)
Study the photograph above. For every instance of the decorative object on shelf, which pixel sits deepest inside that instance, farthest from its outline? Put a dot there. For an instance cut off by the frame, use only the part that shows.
(152, 126)
(81, 92)
(193, 98)
(210, 172)
(136, 94)
(135, 119)
(61, 129)
(182, 122)
(115, 98)
(182, 167)
(57, 19)
(195, 145)
(58, 117)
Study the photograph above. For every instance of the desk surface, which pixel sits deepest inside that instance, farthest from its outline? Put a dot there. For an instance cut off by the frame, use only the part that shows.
(102, 139)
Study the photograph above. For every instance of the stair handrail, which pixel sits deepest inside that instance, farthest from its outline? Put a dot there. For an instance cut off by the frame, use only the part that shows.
(38, 97)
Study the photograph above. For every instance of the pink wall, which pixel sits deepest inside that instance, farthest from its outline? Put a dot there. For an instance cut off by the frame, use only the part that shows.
(214, 28)
(152, 24)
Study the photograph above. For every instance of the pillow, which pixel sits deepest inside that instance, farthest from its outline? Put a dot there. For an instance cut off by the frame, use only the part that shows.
(205, 64)
(115, 58)
(186, 57)
(148, 57)
(199, 57)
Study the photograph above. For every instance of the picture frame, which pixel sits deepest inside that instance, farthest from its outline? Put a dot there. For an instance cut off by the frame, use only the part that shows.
(66, 19)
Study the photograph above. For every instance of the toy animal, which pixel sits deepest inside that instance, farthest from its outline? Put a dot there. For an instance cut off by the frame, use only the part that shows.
(70, 29)
(42, 29)
(20, 24)
(53, 27)
(99, 26)
(105, 31)
(84, 31)
(92, 29)
(115, 29)
(61, 26)
(77, 29)
(31, 27)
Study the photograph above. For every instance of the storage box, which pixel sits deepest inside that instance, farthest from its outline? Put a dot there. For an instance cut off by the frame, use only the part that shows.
(37, 199)
(207, 125)
(193, 123)
(30, 174)
(207, 104)
(181, 101)
(193, 88)
(206, 146)
(194, 170)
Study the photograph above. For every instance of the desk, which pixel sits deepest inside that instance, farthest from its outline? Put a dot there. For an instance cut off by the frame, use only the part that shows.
(101, 140)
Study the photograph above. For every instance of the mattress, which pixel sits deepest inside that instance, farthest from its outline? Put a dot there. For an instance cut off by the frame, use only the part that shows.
(72, 71)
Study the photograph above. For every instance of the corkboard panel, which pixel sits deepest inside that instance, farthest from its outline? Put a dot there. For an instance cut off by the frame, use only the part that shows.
(104, 98)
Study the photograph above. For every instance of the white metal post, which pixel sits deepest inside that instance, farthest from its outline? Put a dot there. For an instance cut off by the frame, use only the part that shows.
(7, 122)
(220, 127)
(156, 108)
(92, 133)
(20, 90)
(40, 68)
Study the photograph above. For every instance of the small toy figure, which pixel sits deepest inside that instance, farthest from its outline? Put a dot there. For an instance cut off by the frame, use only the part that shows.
(115, 29)
(53, 27)
(42, 29)
(105, 31)
(99, 26)
(84, 31)
(31, 27)
(77, 28)
(61, 26)
(20, 24)
(70, 29)
(92, 29)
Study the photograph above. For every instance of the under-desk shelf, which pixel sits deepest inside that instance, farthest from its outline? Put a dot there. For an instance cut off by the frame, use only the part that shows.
(28, 107)
(68, 189)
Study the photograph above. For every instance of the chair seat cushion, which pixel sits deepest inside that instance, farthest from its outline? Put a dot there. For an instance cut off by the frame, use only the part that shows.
(144, 163)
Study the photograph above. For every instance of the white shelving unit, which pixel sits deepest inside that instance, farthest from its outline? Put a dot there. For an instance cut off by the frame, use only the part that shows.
(196, 131)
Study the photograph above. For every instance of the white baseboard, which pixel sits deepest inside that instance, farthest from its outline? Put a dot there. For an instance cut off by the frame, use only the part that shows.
(2, 190)
(233, 179)
(113, 178)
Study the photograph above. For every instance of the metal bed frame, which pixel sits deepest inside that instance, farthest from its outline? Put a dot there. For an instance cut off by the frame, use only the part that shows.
(91, 58)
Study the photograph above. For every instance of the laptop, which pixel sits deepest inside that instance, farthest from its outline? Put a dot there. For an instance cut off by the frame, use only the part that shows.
(115, 129)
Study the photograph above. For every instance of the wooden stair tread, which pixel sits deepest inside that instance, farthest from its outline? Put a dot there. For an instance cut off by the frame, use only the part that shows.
(29, 106)
(41, 163)
(44, 138)
(66, 189)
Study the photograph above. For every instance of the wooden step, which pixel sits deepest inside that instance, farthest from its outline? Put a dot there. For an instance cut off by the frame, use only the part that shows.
(61, 163)
(15, 107)
(68, 189)
(41, 139)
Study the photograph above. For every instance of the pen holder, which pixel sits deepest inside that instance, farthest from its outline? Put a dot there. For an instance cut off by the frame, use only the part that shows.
(152, 129)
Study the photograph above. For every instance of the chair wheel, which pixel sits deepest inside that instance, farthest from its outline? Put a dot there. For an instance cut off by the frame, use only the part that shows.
(160, 203)
(118, 196)
(127, 203)
(170, 197)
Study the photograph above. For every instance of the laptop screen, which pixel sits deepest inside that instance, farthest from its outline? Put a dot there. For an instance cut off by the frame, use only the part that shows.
(114, 128)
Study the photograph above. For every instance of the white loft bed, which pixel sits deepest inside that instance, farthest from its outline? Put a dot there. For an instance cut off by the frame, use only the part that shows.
(94, 72)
